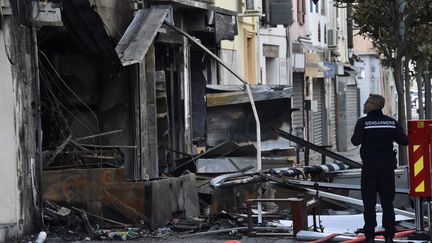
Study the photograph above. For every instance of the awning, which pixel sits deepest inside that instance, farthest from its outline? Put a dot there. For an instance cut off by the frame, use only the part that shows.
(332, 69)
(350, 71)
(220, 95)
(306, 42)
(323, 67)
(315, 66)
(140, 34)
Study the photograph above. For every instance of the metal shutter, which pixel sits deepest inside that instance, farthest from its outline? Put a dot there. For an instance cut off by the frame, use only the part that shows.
(351, 110)
(297, 101)
(317, 119)
(332, 120)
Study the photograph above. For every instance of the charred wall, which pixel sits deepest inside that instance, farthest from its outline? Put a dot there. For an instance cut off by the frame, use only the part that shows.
(82, 96)
(19, 176)
(237, 123)
(84, 89)
(122, 10)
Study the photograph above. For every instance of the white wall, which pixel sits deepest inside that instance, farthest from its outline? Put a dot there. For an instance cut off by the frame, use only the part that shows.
(315, 18)
(370, 82)
(233, 52)
(273, 36)
(341, 27)
(296, 29)
(233, 59)
(8, 142)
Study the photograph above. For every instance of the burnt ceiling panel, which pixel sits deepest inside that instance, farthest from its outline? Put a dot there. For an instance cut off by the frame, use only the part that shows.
(140, 35)
(87, 29)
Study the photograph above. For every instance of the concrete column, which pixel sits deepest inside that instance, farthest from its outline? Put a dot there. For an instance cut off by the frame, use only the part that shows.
(8, 142)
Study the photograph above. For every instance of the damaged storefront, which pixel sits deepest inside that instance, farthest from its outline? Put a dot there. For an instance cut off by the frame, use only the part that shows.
(130, 104)
(124, 115)
(118, 134)
(118, 100)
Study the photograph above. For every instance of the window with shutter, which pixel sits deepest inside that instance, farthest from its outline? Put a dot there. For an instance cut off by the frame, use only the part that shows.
(301, 11)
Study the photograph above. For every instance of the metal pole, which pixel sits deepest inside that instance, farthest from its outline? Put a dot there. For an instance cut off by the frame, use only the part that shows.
(187, 86)
(427, 95)
(419, 215)
(429, 220)
(258, 137)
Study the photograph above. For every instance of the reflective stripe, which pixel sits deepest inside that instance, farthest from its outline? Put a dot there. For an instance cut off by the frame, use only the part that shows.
(373, 127)
(420, 187)
(418, 166)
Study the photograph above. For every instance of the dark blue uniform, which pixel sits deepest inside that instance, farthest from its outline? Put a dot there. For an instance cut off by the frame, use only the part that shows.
(376, 133)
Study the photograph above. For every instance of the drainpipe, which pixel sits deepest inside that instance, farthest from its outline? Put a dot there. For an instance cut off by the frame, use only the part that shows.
(187, 95)
(259, 79)
(288, 55)
(350, 40)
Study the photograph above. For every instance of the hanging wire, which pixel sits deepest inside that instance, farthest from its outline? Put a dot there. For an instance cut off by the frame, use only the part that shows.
(47, 37)
(47, 77)
(57, 100)
(67, 86)
(62, 91)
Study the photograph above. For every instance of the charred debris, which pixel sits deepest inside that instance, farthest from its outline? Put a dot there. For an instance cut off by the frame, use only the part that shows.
(136, 143)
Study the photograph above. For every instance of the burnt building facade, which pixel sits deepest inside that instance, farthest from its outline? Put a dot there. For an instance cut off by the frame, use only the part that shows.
(100, 84)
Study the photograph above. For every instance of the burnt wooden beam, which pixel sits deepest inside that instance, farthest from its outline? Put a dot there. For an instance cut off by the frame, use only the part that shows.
(58, 150)
(239, 97)
(318, 149)
(185, 79)
(148, 118)
(136, 123)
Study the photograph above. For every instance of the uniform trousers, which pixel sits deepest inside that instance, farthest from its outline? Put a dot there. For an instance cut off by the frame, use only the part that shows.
(378, 180)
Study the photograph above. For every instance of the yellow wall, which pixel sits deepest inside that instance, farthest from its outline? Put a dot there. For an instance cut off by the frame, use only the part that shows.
(245, 42)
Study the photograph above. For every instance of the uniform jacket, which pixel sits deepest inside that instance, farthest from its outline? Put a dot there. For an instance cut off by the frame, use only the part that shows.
(376, 133)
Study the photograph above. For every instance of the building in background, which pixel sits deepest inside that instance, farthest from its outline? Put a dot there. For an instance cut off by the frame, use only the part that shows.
(373, 78)
(241, 53)
(347, 94)
(308, 50)
(368, 64)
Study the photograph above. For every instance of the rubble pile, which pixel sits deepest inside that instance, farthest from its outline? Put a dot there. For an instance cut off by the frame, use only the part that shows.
(217, 192)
